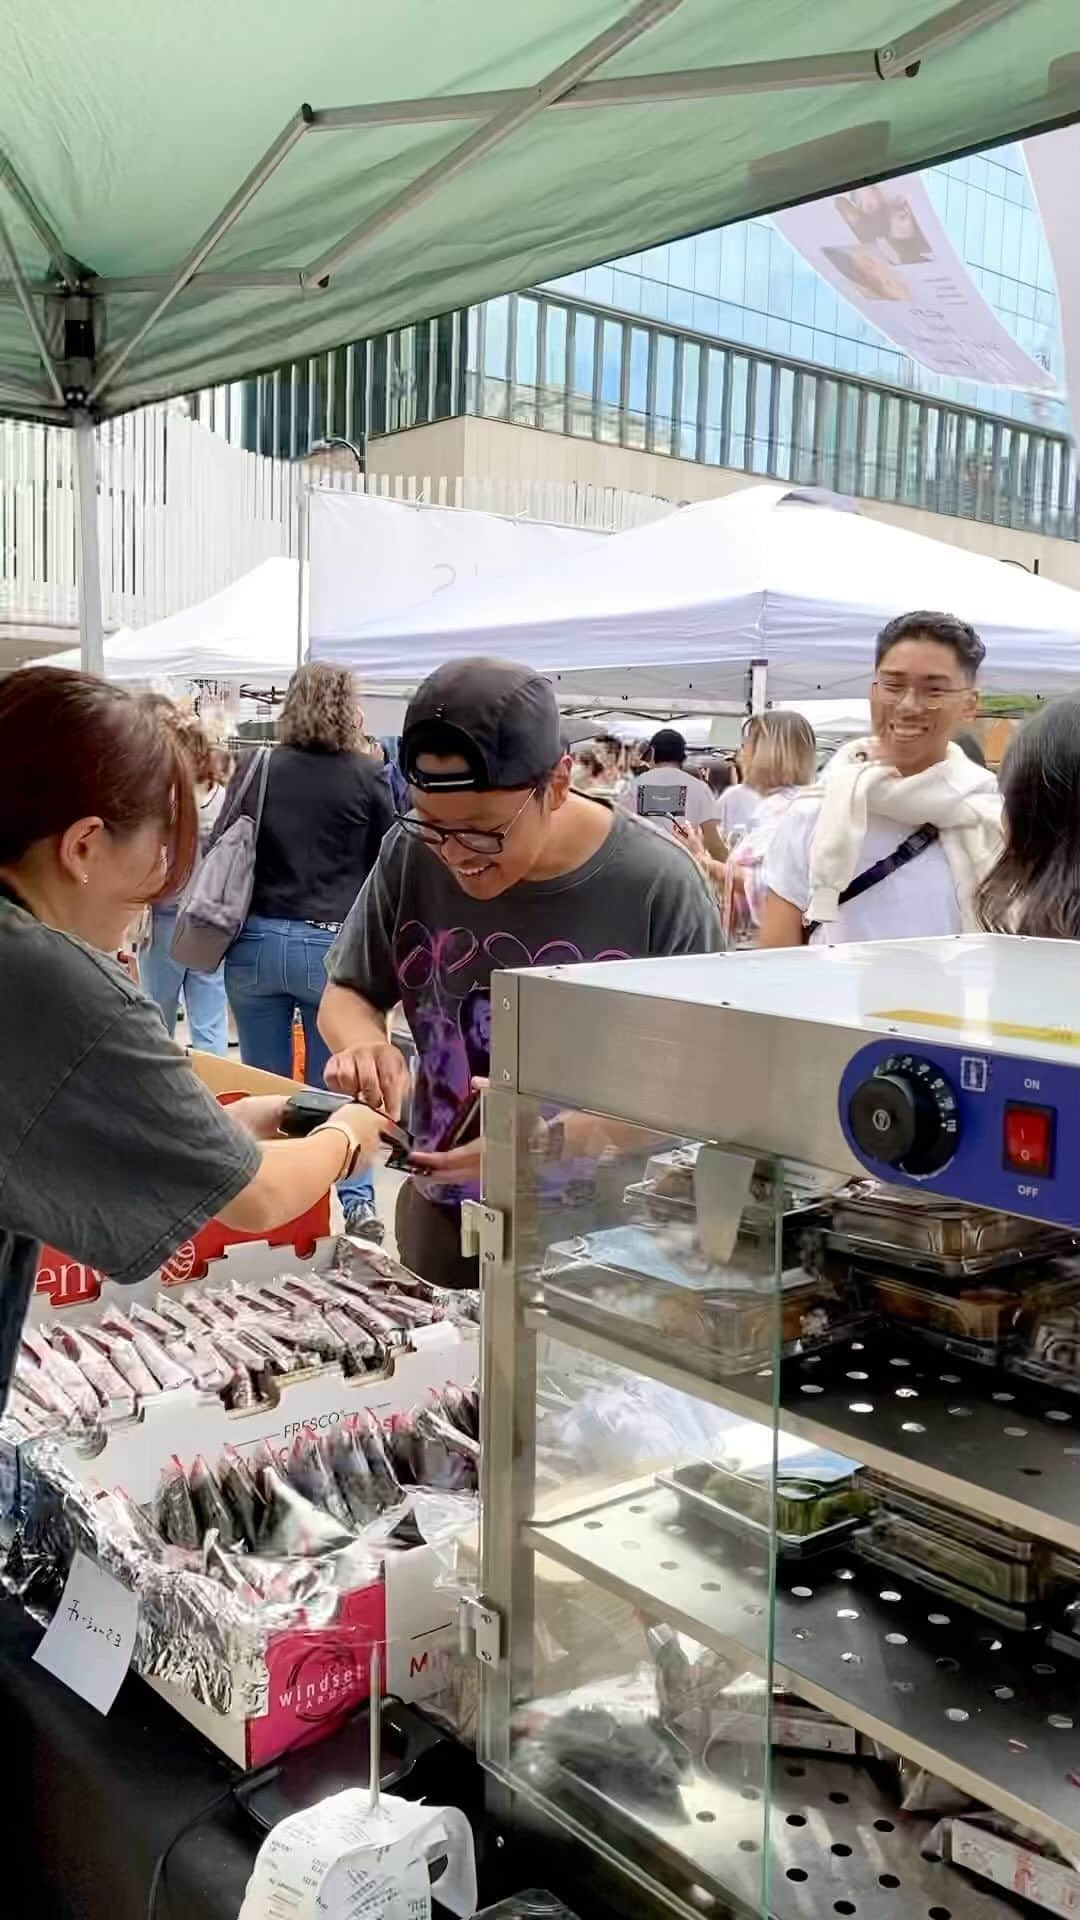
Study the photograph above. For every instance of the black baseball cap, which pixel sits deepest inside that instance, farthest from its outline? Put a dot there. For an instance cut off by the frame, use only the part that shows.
(501, 719)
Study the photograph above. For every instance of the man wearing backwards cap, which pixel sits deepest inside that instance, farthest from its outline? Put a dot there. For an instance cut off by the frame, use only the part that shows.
(499, 864)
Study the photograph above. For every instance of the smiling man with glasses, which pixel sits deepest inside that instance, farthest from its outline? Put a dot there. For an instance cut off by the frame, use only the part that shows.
(902, 829)
(498, 864)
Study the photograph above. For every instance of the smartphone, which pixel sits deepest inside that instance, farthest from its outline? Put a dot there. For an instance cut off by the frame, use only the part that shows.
(465, 1126)
(308, 1108)
(401, 1143)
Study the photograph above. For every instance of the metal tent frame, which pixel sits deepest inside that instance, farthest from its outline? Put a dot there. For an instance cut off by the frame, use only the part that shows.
(64, 308)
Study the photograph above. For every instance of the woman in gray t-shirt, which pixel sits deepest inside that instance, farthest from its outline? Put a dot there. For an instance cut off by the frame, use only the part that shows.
(111, 1150)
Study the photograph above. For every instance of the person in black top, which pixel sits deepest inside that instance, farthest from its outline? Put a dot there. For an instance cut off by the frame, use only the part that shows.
(326, 810)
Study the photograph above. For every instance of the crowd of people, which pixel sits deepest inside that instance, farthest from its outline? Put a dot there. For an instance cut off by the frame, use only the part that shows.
(509, 852)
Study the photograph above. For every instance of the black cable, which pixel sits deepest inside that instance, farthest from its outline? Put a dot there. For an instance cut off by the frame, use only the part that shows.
(247, 1783)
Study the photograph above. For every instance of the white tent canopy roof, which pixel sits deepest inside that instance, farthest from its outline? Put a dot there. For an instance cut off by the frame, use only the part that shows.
(679, 609)
(245, 633)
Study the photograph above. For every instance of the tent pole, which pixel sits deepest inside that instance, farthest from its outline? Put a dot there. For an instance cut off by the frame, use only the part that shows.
(523, 108)
(301, 557)
(758, 688)
(91, 631)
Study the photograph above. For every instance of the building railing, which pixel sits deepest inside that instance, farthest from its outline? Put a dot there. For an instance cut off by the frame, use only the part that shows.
(541, 361)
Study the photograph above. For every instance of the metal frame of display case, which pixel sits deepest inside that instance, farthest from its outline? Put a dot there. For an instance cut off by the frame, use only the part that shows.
(987, 1710)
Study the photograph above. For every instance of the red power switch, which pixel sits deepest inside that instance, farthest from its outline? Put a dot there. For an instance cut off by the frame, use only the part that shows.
(1029, 1139)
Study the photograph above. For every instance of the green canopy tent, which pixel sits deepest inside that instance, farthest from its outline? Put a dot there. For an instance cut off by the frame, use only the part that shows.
(171, 215)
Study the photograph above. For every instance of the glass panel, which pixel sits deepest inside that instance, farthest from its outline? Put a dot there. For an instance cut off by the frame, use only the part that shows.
(584, 373)
(637, 393)
(525, 342)
(826, 427)
(523, 399)
(714, 451)
(760, 461)
(496, 337)
(420, 409)
(610, 379)
(688, 401)
(641, 1654)
(444, 367)
(377, 423)
(664, 393)
(783, 452)
(738, 456)
(553, 399)
(402, 378)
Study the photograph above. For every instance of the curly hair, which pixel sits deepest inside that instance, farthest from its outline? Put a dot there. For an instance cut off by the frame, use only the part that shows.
(321, 710)
(188, 729)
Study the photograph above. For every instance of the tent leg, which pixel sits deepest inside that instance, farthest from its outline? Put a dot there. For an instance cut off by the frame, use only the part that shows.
(758, 686)
(301, 563)
(91, 630)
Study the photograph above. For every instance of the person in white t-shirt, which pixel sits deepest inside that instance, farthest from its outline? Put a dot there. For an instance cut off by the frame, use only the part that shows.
(666, 791)
(898, 836)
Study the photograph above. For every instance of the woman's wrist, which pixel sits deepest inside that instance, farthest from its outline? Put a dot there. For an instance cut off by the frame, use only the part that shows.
(352, 1146)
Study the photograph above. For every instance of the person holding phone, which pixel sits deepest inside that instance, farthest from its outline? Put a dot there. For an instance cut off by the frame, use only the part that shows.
(110, 1147)
(499, 863)
(666, 791)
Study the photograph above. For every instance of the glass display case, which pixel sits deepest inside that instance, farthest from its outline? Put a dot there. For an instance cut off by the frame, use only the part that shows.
(781, 1515)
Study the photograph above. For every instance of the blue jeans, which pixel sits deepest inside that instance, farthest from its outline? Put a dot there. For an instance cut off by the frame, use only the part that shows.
(273, 969)
(204, 993)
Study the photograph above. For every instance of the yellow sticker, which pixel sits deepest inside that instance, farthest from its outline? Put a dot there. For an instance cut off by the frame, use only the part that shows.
(984, 1029)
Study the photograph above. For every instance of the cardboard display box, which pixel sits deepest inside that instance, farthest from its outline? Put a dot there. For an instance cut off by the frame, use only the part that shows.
(314, 1677)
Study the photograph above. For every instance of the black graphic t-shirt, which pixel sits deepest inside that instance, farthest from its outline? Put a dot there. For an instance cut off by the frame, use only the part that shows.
(414, 936)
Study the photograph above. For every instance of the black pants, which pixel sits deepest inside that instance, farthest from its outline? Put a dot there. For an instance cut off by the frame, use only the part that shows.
(429, 1240)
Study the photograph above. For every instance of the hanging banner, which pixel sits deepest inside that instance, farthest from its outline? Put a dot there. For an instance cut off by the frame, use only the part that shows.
(885, 250)
(1053, 164)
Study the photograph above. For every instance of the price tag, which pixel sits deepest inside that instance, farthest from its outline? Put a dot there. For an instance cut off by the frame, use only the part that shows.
(90, 1639)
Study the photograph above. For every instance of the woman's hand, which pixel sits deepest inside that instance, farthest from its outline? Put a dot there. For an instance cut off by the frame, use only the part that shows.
(260, 1114)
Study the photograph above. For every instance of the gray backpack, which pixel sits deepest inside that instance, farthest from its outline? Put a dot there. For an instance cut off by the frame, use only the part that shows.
(217, 899)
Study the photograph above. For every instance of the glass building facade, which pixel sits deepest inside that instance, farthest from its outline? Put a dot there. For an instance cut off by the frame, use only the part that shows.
(727, 349)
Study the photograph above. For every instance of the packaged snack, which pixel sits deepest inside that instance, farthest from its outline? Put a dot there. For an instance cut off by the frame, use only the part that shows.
(174, 1512)
(211, 1508)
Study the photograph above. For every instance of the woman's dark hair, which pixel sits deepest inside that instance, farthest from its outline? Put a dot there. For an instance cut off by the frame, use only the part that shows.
(71, 747)
(945, 629)
(1035, 886)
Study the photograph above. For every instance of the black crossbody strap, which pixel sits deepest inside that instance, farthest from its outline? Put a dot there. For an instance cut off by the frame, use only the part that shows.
(907, 851)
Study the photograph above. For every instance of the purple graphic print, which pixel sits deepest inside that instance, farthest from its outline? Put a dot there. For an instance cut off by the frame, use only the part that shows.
(444, 978)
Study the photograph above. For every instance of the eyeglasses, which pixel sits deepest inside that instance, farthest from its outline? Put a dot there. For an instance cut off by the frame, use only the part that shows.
(892, 687)
(473, 839)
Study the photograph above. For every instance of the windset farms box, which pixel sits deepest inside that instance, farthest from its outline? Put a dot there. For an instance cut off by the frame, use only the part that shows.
(305, 1679)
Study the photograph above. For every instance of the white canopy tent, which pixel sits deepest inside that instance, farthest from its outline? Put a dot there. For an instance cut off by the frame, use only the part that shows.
(246, 633)
(370, 557)
(680, 610)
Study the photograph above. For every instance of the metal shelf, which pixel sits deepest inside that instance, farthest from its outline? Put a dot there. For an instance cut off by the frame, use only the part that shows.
(834, 1837)
(993, 1443)
(990, 1711)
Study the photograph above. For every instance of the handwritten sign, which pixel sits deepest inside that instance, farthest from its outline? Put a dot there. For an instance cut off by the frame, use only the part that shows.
(90, 1639)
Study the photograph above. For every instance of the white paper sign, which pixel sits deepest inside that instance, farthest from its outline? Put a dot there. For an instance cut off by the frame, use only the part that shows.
(421, 1624)
(90, 1639)
(886, 251)
(344, 1860)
